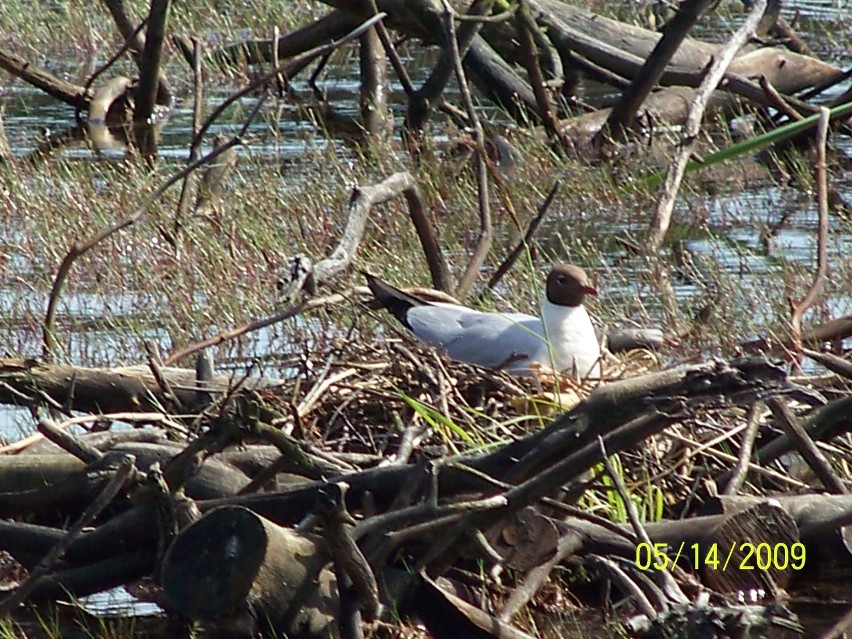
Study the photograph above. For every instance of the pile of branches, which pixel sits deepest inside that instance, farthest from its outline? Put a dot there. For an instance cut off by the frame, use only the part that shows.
(241, 526)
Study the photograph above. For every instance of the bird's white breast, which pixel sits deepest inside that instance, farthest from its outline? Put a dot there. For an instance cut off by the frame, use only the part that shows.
(574, 346)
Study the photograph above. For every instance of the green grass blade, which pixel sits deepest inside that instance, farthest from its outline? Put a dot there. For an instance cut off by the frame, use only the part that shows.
(435, 419)
(746, 146)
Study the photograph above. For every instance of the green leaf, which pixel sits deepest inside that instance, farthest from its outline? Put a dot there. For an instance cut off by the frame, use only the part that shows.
(747, 146)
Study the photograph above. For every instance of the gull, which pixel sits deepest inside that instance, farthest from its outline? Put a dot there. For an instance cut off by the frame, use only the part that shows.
(562, 339)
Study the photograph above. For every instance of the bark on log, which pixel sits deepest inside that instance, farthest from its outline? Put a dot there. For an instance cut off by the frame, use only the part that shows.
(105, 390)
(814, 514)
(147, 92)
(740, 544)
(447, 616)
(63, 485)
(238, 572)
(327, 29)
(105, 574)
(622, 412)
(72, 94)
(623, 48)
(824, 523)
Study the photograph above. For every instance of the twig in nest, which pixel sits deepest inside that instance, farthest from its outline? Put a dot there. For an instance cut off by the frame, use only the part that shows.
(806, 446)
(296, 309)
(738, 473)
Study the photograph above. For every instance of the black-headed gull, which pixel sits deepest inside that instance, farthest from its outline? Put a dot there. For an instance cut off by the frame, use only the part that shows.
(563, 338)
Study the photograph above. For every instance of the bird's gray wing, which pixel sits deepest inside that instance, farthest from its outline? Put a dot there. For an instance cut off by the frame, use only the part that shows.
(468, 335)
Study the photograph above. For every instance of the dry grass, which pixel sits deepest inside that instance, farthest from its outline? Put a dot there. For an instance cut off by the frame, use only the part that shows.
(70, 27)
(224, 272)
(136, 286)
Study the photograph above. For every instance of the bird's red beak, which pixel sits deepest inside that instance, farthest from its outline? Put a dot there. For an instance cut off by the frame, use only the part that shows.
(590, 290)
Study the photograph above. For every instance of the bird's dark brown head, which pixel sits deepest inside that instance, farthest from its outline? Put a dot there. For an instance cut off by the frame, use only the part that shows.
(568, 285)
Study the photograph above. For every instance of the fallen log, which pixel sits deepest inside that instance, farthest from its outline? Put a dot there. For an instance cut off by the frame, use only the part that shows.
(824, 522)
(67, 92)
(391, 500)
(62, 485)
(623, 48)
(109, 390)
(237, 572)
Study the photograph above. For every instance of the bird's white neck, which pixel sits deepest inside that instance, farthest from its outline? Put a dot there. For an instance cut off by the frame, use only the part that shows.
(573, 342)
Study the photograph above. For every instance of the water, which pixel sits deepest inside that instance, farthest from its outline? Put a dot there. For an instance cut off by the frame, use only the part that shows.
(118, 602)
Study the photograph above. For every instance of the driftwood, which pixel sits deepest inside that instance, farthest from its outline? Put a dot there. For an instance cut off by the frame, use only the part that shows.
(571, 38)
(517, 495)
(113, 390)
(72, 94)
(622, 48)
(332, 27)
(267, 578)
(536, 466)
(613, 48)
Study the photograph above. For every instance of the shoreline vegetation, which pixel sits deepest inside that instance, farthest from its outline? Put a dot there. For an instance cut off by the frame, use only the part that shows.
(222, 421)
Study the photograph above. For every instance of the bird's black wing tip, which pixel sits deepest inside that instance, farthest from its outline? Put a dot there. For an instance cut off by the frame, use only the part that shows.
(395, 300)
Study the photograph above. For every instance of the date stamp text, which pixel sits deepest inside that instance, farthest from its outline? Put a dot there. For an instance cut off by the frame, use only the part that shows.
(742, 556)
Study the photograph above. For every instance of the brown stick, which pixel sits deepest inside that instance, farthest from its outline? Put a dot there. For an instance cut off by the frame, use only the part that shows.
(835, 364)
(525, 241)
(778, 100)
(526, 26)
(72, 94)
(806, 446)
(149, 79)
(116, 56)
(798, 308)
(69, 442)
(624, 113)
(393, 56)
(374, 92)
(483, 244)
(197, 111)
(256, 325)
(830, 331)
(740, 470)
(428, 97)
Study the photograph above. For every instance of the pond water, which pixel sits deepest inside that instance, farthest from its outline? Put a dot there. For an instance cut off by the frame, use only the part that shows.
(732, 239)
